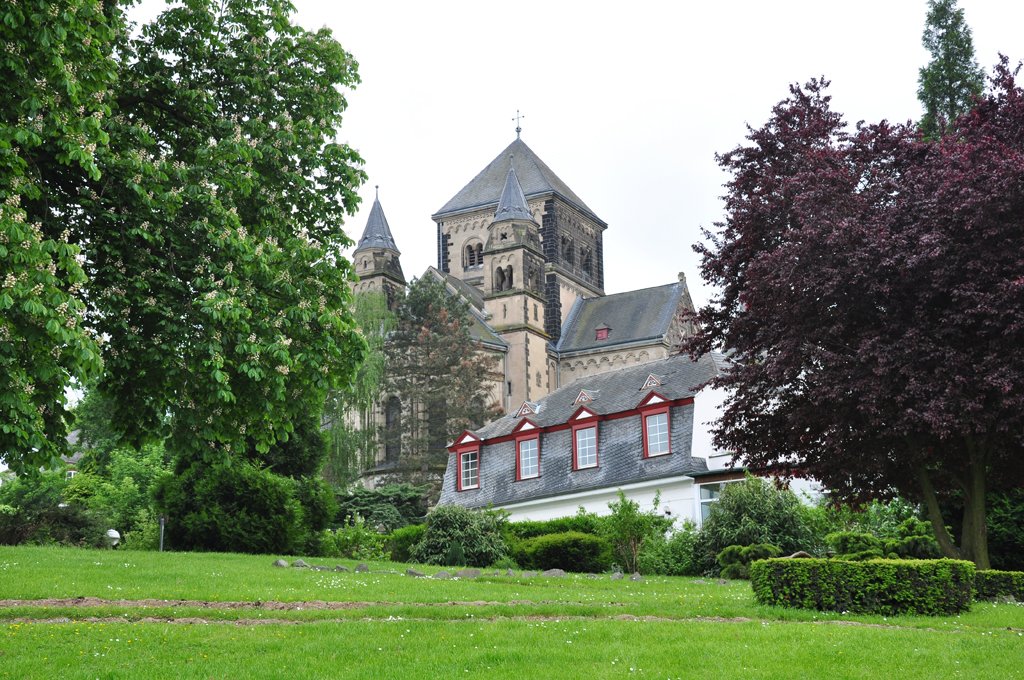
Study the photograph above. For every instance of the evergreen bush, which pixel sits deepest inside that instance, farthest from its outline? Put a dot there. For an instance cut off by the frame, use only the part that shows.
(735, 560)
(991, 584)
(355, 540)
(401, 542)
(571, 551)
(477, 533)
(874, 587)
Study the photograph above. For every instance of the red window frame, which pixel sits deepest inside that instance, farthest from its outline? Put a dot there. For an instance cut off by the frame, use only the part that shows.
(654, 410)
(533, 436)
(591, 423)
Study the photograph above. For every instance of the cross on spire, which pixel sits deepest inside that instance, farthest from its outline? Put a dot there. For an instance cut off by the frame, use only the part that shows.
(517, 119)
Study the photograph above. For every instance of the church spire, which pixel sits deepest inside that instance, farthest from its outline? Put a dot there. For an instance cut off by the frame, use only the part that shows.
(377, 233)
(512, 204)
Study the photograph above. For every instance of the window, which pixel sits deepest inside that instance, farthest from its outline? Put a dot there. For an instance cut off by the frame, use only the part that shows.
(656, 433)
(469, 470)
(529, 458)
(601, 333)
(473, 255)
(70, 473)
(585, 447)
(392, 430)
(709, 495)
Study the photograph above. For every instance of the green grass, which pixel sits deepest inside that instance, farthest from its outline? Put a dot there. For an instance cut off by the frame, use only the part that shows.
(492, 627)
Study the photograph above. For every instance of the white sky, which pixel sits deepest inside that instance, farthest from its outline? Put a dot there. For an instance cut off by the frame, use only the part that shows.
(627, 102)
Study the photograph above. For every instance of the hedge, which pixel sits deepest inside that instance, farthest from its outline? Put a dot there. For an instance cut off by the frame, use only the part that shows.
(872, 587)
(990, 584)
(571, 551)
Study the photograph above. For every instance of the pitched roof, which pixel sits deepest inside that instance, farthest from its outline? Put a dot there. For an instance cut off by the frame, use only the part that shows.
(633, 316)
(377, 233)
(535, 178)
(620, 448)
(512, 204)
(615, 391)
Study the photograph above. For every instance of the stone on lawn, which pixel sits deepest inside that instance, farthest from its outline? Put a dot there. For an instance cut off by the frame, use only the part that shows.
(299, 563)
(280, 563)
(554, 573)
(414, 573)
(442, 575)
(362, 568)
(467, 573)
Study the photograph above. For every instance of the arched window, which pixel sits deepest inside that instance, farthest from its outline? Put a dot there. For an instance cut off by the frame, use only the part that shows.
(473, 255)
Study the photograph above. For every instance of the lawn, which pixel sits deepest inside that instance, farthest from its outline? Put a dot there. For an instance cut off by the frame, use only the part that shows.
(70, 613)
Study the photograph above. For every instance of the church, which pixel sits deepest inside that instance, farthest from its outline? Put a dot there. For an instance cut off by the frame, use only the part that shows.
(527, 255)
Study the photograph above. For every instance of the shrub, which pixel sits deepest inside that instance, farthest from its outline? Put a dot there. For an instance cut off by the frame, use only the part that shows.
(478, 534)
(874, 587)
(749, 512)
(390, 506)
(990, 584)
(231, 507)
(846, 543)
(628, 529)
(401, 542)
(1005, 519)
(34, 510)
(736, 559)
(582, 522)
(571, 551)
(672, 556)
(355, 540)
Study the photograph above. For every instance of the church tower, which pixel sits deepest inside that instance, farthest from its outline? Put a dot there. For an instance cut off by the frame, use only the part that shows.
(513, 291)
(571, 234)
(376, 258)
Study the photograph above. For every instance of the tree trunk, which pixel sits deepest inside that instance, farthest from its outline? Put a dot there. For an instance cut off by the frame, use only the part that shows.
(931, 503)
(974, 539)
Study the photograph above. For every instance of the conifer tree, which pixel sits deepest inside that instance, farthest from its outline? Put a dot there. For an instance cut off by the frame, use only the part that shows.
(947, 85)
(434, 368)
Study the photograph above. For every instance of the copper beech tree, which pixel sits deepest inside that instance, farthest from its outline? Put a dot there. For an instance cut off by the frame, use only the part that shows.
(871, 292)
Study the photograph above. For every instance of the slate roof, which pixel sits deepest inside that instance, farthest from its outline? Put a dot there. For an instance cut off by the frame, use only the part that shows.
(512, 204)
(633, 316)
(620, 444)
(377, 233)
(534, 176)
(615, 391)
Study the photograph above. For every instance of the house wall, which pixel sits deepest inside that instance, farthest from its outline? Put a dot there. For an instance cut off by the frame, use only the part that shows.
(596, 361)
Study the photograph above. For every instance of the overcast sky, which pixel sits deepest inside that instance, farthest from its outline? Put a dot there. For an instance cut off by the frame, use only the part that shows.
(627, 102)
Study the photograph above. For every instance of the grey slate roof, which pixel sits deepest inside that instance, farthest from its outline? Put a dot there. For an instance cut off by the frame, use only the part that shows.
(534, 176)
(633, 316)
(620, 443)
(615, 391)
(377, 233)
(512, 204)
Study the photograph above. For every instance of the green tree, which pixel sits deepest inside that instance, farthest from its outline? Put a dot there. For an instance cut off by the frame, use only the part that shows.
(628, 529)
(950, 81)
(439, 376)
(57, 71)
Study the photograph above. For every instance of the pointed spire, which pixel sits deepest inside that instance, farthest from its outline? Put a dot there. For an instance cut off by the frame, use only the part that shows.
(512, 204)
(377, 233)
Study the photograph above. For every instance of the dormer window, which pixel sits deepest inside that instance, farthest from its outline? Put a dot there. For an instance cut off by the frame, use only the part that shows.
(601, 332)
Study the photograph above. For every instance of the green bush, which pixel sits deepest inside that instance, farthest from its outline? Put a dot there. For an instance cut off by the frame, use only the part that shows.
(750, 512)
(402, 541)
(991, 584)
(628, 530)
(35, 510)
(583, 522)
(390, 506)
(735, 560)
(571, 551)
(671, 556)
(355, 540)
(477, 534)
(232, 506)
(852, 542)
(1005, 520)
(874, 587)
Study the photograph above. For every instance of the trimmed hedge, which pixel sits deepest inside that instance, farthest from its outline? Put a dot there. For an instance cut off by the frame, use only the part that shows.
(571, 551)
(873, 587)
(991, 584)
